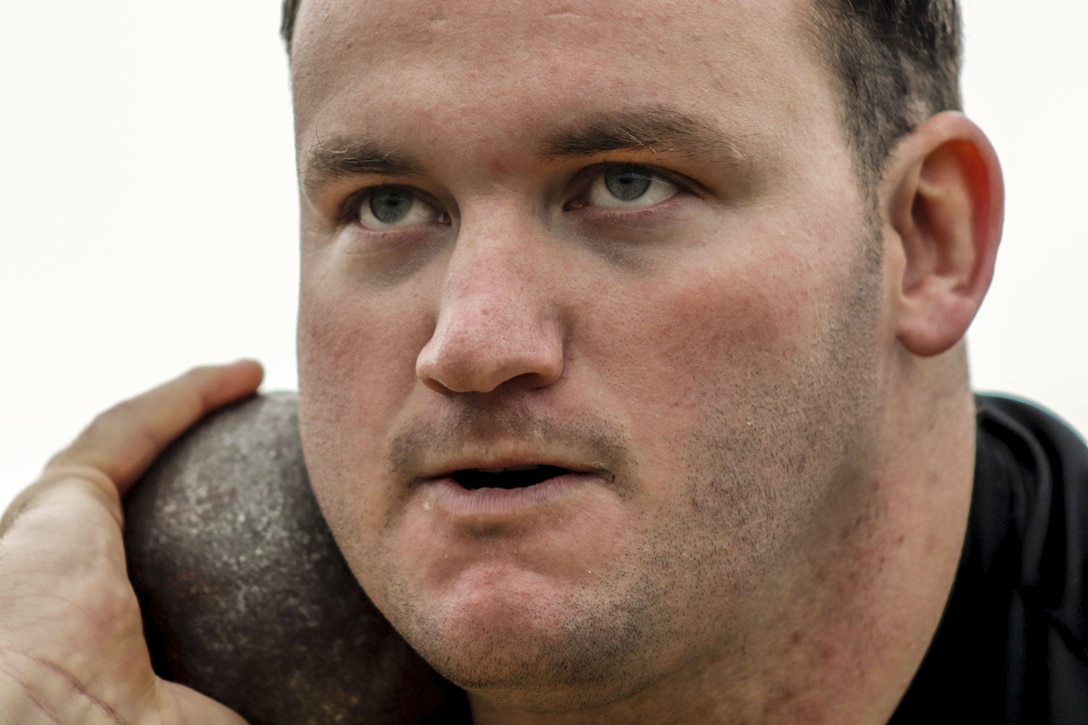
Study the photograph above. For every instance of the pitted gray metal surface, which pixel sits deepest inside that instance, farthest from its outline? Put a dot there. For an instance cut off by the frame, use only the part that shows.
(244, 593)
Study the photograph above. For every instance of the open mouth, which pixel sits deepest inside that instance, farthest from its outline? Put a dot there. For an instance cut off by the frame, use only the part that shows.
(508, 478)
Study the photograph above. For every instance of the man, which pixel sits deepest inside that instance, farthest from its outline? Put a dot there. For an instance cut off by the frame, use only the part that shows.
(632, 376)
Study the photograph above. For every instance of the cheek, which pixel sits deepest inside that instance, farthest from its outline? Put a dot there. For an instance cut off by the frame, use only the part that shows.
(720, 360)
(357, 350)
(357, 355)
(711, 326)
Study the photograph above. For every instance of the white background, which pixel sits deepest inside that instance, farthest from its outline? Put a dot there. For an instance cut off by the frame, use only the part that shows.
(148, 204)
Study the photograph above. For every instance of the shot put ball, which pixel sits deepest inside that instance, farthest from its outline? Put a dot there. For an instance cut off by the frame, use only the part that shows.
(244, 594)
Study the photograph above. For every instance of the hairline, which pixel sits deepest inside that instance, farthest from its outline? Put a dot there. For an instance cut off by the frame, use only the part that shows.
(842, 42)
(830, 27)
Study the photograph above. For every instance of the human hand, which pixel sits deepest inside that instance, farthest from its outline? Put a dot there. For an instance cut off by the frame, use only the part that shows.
(71, 642)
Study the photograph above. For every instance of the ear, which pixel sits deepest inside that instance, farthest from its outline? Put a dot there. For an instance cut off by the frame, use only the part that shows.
(943, 201)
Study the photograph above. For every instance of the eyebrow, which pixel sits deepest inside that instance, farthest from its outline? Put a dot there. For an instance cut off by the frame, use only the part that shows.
(343, 158)
(659, 129)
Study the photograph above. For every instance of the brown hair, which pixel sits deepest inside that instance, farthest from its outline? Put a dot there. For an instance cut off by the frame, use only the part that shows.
(897, 62)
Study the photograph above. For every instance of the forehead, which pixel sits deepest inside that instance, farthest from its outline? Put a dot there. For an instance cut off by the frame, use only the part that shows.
(507, 69)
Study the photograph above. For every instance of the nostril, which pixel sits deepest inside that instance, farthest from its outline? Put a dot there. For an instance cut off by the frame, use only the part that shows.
(479, 349)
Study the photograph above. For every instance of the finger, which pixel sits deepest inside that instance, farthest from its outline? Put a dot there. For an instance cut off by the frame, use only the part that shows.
(123, 441)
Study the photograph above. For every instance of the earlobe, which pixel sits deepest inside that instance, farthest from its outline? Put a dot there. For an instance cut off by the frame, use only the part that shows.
(944, 201)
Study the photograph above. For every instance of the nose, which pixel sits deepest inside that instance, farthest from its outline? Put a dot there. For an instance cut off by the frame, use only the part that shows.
(497, 323)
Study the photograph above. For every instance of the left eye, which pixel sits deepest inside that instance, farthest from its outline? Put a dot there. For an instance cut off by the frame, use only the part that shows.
(395, 207)
(627, 186)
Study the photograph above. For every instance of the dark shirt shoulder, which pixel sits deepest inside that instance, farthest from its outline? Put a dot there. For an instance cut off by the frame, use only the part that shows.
(1011, 646)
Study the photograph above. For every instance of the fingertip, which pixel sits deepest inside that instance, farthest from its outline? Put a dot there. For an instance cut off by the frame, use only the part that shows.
(250, 371)
(249, 375)
(221, 384)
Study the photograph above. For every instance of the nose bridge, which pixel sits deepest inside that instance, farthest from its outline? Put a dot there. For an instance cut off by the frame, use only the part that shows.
(497, 315)
(488, 268)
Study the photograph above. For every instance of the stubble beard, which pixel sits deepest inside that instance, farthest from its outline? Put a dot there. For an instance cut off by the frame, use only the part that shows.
(753, 491)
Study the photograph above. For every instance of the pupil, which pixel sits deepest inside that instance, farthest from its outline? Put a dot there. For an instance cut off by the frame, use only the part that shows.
(390, 206)
(627, 183)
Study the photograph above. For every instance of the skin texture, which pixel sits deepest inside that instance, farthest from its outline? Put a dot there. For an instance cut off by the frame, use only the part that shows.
(729, 367)
(755, 377)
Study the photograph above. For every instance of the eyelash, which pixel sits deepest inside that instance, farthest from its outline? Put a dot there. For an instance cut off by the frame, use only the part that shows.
(350, 210)
(585, 180)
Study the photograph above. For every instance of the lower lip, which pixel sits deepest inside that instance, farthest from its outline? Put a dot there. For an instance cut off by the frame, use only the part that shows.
(449, 497)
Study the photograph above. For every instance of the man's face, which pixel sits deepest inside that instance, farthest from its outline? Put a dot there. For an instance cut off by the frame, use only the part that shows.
(617, 241)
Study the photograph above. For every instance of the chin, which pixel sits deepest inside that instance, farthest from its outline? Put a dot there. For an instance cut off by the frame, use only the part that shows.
(555, 682)
(539, 654)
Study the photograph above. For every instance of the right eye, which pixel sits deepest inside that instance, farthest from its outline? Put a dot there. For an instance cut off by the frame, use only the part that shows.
(386, 208)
